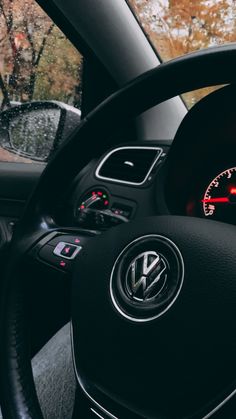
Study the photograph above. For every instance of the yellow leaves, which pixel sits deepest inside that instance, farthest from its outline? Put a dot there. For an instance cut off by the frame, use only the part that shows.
(194, 24)
(177, 27)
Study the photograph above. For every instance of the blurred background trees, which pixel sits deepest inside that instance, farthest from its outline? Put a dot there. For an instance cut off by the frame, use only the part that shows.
(177, 27)
(36, 60)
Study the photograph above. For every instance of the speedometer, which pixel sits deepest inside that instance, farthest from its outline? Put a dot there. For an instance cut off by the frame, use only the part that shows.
(219, 201)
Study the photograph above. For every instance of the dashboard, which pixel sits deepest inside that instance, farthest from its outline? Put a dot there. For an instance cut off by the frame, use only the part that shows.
(196, 178)
(118, 187)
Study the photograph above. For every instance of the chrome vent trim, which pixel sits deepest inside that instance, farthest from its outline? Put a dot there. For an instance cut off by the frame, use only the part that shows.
(158, 150)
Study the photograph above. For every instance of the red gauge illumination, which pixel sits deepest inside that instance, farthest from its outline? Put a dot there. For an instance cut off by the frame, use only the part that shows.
(219, 201)
(215, 200)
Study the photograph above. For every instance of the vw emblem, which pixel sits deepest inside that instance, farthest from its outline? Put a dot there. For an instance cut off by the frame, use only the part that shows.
(146, 276)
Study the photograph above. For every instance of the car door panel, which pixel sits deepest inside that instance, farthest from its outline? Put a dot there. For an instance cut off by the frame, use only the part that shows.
(17, 181)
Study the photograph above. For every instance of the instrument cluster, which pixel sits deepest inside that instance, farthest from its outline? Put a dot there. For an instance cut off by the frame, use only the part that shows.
(216, 198)
(201, 172)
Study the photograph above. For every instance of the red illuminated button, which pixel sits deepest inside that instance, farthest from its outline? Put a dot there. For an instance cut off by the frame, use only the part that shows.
(62, 264)
(46, 254)
(66, 250)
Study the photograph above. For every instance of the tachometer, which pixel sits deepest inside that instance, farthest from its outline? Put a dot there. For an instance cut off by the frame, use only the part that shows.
(219, 201)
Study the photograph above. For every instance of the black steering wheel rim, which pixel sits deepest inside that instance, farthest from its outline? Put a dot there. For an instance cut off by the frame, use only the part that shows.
(197, 70)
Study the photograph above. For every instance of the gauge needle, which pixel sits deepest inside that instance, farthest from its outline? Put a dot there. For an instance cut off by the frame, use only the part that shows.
(215, 200)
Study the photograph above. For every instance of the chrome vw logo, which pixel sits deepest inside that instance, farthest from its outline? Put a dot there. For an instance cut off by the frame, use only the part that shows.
(146, 276)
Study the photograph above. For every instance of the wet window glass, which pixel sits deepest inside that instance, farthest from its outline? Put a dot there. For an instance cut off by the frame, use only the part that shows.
(37, 63)
(42, 125)
(177, 27)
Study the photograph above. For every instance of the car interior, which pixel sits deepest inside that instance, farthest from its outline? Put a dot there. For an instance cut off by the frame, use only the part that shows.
(118, 234)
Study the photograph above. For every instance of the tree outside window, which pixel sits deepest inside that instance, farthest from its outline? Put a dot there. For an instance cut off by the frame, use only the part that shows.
(37, 62)
(177, 27)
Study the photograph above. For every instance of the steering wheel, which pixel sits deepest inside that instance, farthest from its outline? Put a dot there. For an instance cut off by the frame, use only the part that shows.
(153, 300)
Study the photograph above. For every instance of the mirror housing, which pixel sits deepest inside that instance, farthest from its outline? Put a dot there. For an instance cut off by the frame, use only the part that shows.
(35, 130)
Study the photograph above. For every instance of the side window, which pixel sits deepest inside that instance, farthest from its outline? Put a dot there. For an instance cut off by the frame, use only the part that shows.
(40, 83)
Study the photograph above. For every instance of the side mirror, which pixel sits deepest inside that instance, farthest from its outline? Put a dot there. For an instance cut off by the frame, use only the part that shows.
(35, 130)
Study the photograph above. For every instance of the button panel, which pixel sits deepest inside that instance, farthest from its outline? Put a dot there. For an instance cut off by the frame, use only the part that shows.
(61, 250)
(47, 255)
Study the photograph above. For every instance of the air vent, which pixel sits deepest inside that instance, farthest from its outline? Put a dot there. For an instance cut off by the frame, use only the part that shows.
(131, 165)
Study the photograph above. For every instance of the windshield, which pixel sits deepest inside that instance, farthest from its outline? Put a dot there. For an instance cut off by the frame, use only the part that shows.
(177, 27)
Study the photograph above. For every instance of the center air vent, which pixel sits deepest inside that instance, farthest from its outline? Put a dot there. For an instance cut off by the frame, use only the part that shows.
(130, 165)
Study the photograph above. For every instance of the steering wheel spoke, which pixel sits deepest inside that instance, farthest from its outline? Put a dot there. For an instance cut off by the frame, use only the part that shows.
(60, 248)
(158, 330)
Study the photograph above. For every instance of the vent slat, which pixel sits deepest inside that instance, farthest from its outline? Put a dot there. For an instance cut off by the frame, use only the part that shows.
(128, 164)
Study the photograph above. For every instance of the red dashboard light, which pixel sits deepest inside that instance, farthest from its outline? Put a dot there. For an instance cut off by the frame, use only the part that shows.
(233, 191)
(63, 264)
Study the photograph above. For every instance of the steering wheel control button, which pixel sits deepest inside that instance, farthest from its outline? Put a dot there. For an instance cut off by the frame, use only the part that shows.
(47, 255)
(63, 264)
(67, 250)
(147, 278)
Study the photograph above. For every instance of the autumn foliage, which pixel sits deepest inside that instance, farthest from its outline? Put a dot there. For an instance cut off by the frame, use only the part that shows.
(177, 27)
(36, 60)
